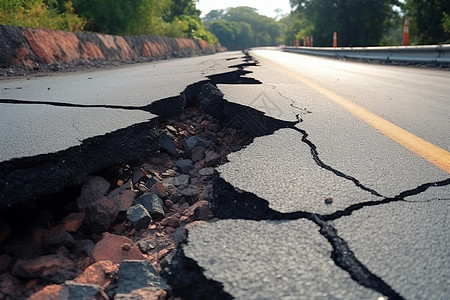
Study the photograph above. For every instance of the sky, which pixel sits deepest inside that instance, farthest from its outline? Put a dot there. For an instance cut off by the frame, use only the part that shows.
(265, 7)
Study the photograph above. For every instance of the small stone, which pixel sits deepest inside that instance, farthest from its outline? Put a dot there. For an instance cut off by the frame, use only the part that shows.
(137, 175)
(126, 247)
(51, 267)
(146, 293)
(171, 222)
(110, 247)
(198, 153)
(151, 181)
(74, 290)
(153, 204)
(206, 171)
(168, 173)
(99, 273)
(73, 221)
(139, 217)
(328, 200)
(94, 188)
(211, 158)
(200, 211)
(184, 165)
(50, 292)
(167, 144)
(190, 191)
(57, 236)
(145, 245)
(84, 247)
(181, 180)
(136, 274)
(100, 214)
(160, 190)
(194, 141)
(172, 129)
(168, 203)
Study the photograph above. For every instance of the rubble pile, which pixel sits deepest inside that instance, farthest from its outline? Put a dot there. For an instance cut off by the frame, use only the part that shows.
(109, 242)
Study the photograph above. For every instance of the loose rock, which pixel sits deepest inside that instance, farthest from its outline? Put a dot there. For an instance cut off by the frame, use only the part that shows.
(146, 293)
(184, 165)
(139, 217)
(110, 247)
(74, 290)
(136, 274)
(153, 204)
(99, 273)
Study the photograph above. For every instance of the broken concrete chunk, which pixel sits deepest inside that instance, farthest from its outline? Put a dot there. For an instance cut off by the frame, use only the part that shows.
(136, 274)
(184, 165)
(139, 217)
(122, 197)
(100, 214)
(153, 204)
(211, 100)
(94, 188)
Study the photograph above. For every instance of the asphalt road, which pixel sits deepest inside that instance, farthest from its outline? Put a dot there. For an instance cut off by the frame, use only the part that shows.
(33, 129)
(385, 233)
(390, 205)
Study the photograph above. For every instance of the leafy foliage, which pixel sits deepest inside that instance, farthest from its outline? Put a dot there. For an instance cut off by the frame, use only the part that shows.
(430, 20)
(358, 22)
(39, 13)
(176, 18)
(242, 27)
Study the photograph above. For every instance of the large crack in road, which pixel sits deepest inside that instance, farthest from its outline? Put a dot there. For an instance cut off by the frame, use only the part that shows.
(231, 203)
(186, 277)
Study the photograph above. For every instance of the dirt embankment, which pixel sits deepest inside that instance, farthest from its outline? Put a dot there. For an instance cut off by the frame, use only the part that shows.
(36, 49)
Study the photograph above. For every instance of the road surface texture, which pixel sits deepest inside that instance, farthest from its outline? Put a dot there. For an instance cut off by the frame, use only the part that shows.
(343, 194)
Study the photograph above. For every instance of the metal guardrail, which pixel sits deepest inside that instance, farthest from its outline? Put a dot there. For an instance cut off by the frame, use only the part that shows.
(439, 54)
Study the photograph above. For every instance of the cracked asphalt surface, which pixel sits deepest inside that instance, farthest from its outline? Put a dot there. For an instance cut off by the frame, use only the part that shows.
(387, 225)
(385, 233)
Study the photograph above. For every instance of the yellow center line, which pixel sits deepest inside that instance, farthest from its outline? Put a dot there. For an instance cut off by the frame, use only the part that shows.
(430, 152)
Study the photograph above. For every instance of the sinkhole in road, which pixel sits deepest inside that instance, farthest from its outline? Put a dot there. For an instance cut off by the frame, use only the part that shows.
(203, 99)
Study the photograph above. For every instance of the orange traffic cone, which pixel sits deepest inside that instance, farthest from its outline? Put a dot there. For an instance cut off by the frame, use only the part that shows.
(406, 33)
(335, 39)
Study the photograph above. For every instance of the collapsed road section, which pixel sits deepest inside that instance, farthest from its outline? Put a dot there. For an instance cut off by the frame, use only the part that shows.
(140, 209)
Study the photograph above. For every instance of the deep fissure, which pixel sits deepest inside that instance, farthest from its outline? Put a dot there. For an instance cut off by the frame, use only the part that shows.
(246, 205)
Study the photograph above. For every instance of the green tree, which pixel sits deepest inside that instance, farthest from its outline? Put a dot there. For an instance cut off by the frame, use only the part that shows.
(358, 22)
(39, 13)
(429, 20)
(176, 8)
(242, 27)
